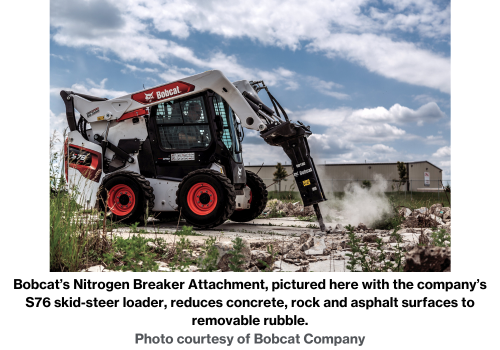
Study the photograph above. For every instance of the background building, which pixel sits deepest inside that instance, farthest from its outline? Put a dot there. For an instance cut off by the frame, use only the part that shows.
(334, 177)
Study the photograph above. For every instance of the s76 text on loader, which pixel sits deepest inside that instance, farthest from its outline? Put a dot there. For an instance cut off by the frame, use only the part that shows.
(177, 147)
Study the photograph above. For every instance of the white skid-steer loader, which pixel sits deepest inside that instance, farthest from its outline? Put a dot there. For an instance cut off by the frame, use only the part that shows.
(177, 147)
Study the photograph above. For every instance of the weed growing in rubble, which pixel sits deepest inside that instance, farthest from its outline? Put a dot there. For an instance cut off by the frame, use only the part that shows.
(236, 260)
(362, 259)
(186, 231)
(133, 227)
(441, 238)
(208, 263)
(132, 254)
(358, 254)
(274, 213)
(312, 226)
(311, 218)
(270, 250)
(182, 256)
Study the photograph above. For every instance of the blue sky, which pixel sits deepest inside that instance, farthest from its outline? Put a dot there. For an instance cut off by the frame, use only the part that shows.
(372, 78)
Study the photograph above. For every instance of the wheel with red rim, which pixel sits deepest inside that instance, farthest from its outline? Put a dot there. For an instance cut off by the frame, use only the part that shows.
(121, 200)
(206, 198)
(128, 196)
(202, 198)
(257, 201)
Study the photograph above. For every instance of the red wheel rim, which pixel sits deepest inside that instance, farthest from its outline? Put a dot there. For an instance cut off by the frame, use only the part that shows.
(121, 200)
(202, 198)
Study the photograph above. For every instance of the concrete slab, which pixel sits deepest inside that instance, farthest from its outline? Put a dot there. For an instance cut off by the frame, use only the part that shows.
(318, 247)
(283, 229)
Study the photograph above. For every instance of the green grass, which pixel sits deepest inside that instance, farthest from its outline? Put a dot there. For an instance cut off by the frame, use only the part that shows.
(419, 199)
(76, 239)
(285, 196)
(411, 200)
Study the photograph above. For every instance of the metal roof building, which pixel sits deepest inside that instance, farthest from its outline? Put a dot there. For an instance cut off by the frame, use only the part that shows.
(422, 175)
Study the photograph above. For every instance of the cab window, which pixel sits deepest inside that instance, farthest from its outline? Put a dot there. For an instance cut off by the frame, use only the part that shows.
(183, 124)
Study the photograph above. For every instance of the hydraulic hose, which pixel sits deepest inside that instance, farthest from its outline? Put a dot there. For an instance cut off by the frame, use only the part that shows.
(264, 108)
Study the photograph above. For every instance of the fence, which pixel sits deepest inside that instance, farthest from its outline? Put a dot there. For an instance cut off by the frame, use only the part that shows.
(408, 188)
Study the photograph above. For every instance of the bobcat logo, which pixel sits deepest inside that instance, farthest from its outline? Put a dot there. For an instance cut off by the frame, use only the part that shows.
(149, 97)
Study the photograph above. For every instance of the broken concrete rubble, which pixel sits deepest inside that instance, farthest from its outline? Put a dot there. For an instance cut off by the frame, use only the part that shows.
(405, 212)
(287, 209)
(362, 226)
(428, 259)
(437, 216)
(370, 238)
(225, 247)
(262, 259)
(318, 247)
(296, 246)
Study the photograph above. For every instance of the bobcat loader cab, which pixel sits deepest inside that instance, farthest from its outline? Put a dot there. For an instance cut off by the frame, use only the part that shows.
(177, 147)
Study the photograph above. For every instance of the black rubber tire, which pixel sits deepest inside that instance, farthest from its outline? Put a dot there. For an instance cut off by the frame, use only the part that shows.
(142, 190)
(226, 198)
(259, 199)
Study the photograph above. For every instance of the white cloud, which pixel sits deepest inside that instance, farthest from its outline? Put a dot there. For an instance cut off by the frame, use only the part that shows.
(424, 17)
(383, 148)
(58, 56)
(353, 135)
(132, 68)
(325, 87)
(58, 123)
(346, 29)
(442, 157)
(104, 58)
(403, 61)
(263, 153)
(435, 140)
(91, 88)
(174, 73)
(274, 23)
(443, 152)
(397, 114)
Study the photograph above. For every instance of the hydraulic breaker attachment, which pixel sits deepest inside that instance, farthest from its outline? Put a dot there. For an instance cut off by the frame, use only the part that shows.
(280, 131)
(292, 138)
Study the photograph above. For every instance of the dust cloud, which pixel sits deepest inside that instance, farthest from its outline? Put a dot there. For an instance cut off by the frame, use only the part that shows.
(360, 203)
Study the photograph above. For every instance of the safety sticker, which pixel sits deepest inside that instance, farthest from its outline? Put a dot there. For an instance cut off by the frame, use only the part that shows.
(306, 182)
(178, 157)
